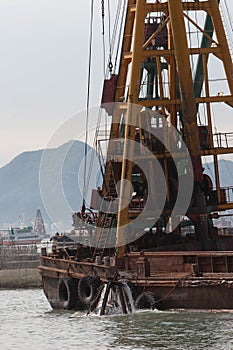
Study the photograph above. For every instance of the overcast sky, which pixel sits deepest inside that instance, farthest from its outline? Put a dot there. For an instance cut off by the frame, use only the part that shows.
(43, 69)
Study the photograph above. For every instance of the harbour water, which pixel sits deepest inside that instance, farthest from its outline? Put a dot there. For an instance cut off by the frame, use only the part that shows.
(27, 322)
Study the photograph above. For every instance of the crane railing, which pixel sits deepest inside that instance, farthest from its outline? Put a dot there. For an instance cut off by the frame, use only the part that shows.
(223, 140)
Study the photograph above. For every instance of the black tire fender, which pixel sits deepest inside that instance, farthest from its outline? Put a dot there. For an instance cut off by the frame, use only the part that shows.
(67, 292)
(87, 289)
(146, 300)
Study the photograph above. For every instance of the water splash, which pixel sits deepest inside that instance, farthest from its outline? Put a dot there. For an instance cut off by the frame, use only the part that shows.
(115, 299)
(129, 295)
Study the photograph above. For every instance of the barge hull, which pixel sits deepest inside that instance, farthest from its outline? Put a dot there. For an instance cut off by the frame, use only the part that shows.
(184, 280)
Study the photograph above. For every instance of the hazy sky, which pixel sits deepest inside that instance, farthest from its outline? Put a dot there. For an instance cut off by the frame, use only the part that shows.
(43, 69)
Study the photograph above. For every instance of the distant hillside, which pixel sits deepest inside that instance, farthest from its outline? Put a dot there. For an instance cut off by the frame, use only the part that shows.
(225, 170)
(20, 190)
(19, 182)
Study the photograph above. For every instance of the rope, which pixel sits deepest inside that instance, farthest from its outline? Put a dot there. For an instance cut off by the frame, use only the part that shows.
(173, 288)
(227, 22)
(229, 15)
(110, 65)
(103, 32)
(115, 28)
(101, 113)
(120, 33)
(88, 103)
(121, 9)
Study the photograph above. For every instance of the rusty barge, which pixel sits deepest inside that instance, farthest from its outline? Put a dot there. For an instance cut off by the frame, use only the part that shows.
(158, 236)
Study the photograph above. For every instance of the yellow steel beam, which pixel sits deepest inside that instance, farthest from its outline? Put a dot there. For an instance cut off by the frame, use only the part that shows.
(167, 102)
(172, 73)
(222, 207)
(186, 85)
(120, 91)
(163, 7)
(170, 52)
(162, 25)
(222, 40)
(206, 152)
(217, 151)
(127, 42)
(171, 102)
(125, 194)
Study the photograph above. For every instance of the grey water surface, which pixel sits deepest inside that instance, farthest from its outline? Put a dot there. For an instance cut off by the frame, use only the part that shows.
(27, 322)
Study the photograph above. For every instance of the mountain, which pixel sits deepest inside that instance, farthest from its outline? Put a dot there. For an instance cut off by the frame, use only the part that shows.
(225, 172)
(24, 184)
(52, 180)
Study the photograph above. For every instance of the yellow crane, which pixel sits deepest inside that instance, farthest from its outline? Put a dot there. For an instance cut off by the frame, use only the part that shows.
(158, 40)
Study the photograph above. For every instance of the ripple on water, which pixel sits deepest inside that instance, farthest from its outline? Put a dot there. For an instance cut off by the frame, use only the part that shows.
(27, 322)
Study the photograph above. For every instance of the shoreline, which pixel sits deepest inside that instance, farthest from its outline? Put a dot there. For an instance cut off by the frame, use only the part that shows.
(20, 279)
